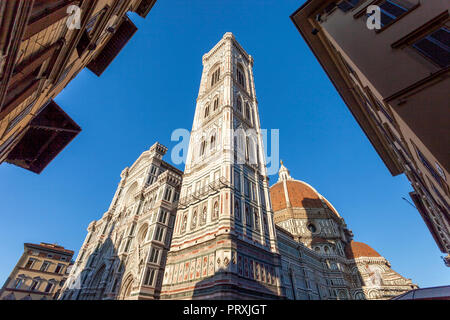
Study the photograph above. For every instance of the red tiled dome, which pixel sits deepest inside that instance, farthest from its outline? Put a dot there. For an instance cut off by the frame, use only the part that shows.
(358, 249)
(300, 195)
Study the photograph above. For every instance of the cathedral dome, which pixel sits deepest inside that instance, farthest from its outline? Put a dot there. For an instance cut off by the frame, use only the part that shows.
(359, 249)
(288, 192)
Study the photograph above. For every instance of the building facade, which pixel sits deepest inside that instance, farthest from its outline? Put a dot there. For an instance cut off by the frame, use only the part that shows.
(210, 232)
(124, 253)
(39, 274)
(224, 242)
(43, 46)
(320, 260)
(394, 79)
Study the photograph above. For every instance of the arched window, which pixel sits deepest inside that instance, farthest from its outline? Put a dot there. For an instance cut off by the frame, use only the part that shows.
(239, 104)
(237, 210)
(247, 111)
(216, 210)
(266, 226)
(216, 104)
(215, 76)
(194, 220)
(248, 218)
(202, 148)
(256, 217)
(143, 233)
(240, 76)
(213, 142)
(207, 111)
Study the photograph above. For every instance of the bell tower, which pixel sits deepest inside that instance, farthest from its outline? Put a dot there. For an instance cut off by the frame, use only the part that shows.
(224, 243)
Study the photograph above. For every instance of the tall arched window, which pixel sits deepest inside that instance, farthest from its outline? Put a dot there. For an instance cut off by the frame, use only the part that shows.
(256, 218)
(248, 218)
(216, 104)
(239, 104)
(237, 210)
(213, 142)
(249, 150)
(215, 77)
(202, 148)
(142, 234)
(240, 76)
(207, 111)
(247, 111)
(216, 210)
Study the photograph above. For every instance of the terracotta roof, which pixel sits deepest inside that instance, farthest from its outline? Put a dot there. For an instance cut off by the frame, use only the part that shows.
(359, 249)
(300, 195)
(49, 246)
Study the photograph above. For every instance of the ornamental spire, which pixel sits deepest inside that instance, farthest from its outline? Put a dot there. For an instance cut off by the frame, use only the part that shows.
(283, 173)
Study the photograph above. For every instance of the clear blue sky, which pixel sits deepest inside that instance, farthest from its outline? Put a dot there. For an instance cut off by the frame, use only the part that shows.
(150, 89)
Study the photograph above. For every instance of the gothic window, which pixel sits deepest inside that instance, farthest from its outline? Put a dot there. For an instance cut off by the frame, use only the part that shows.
(202, 148)
(168, 194)
(266, 226)
(256, 217)
(247, 111)
(162, 216)
(216, 104)
(159, 233)
(240, 76)
(149, 276)
(239, 104)
(215, 210)
(246, 187)
(154, 254)
(237, 181)
(215, 77)
(248, 218)
(213, 142)
(237, 210)
(194, 220)
(204, 214)
(207, 111)
(143, 233)
(262, 197)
